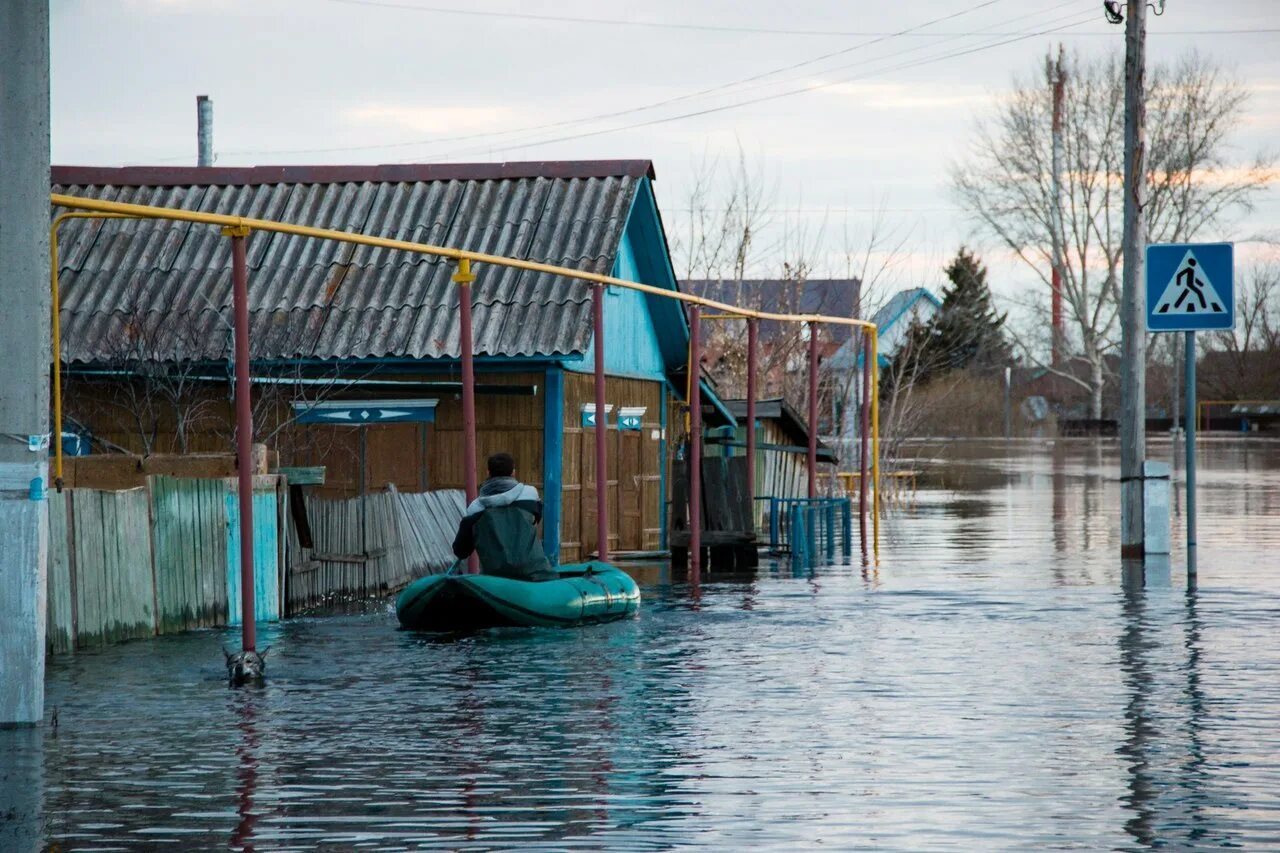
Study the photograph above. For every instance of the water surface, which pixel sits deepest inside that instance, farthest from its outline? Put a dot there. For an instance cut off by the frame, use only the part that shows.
(996, 681)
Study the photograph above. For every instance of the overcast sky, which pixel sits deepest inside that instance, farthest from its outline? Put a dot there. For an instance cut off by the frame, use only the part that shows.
(374, 81)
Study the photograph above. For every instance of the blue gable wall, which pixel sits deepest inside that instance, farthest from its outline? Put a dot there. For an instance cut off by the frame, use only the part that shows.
(633, 346)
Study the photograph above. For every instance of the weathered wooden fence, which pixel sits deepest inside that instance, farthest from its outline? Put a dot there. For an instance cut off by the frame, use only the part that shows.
(370, 545)
(166, 558)
(101, 588)
(151, 560)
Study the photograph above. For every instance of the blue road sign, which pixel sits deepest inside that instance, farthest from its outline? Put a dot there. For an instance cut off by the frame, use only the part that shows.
(1190, 287)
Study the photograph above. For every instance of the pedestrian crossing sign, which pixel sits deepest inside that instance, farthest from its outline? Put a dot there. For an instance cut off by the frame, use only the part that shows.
(1190, 287)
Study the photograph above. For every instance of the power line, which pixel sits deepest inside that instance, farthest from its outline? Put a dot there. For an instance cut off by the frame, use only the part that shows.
(774, 96)
(642, 108)
(613, 22)
(722, 28)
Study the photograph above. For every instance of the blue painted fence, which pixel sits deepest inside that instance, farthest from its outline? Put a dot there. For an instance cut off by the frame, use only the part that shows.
(268, 556)
(809, 528)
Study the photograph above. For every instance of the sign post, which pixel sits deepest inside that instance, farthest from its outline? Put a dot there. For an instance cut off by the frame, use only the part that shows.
(1190, 288)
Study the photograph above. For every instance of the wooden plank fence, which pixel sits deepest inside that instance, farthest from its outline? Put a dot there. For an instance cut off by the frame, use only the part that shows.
(165, 558)
(190, 552)
(370, 545)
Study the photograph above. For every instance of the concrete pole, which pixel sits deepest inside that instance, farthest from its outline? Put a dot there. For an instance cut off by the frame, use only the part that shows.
(24, 355)
(204, 131)
(244, 436)
(1133, 333)
(695, 446)
(1008, 403)
(602, 427)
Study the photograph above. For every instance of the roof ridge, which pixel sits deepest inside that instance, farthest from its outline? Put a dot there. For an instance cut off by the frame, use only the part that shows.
(337, 174)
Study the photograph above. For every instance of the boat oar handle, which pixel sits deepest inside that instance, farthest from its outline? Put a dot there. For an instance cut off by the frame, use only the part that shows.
(454, 567)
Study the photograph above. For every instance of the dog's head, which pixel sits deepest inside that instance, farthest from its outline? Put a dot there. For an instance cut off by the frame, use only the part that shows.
(246, 667)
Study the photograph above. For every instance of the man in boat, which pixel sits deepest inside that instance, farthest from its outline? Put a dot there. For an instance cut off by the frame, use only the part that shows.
(500, 526)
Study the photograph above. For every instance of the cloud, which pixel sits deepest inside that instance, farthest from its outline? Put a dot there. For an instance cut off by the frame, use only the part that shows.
(433, 119)
(898, 96)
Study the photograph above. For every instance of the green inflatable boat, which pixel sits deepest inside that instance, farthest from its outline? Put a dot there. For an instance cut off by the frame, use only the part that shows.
(583, 594)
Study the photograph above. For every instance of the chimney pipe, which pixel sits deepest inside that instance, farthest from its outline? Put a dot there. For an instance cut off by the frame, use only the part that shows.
(204, 130)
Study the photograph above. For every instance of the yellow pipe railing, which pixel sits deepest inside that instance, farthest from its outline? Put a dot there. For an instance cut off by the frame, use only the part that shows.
(875, 441)
(122, 210)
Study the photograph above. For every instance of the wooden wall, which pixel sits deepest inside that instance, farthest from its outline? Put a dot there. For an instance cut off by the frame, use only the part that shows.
(635, 468)
(415, 458)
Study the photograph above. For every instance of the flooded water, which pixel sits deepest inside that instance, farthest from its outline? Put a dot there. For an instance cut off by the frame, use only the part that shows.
(996, 681)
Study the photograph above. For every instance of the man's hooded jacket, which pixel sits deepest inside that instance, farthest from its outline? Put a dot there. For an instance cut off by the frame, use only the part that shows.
(500, 526)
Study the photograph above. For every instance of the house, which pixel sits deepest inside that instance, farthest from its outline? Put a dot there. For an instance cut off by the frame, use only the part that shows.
(356, 349)
(893, 319)
(837, 297)
(844, 368)
(783, 347)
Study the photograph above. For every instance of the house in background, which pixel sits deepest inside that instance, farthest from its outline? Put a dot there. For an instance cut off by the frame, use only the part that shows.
(356, 349)
(844, 368)
(783, 349)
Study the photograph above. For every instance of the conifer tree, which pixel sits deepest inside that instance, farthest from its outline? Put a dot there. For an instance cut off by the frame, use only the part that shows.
(968, 331)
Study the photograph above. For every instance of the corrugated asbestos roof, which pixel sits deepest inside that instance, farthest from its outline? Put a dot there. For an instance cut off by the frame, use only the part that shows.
(162, 289)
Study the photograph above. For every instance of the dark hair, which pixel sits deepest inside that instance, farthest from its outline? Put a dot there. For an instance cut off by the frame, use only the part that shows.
(501, 465)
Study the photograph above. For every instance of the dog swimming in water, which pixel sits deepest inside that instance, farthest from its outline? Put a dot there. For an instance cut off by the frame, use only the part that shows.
(247, 667)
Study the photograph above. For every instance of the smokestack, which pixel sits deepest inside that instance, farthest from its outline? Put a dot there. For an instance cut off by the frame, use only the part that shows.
(204, 130)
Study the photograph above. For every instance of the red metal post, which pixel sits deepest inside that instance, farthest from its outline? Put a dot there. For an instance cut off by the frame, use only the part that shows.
(864, 436)
(244, 436)
(602, 429)
(1059, 85)
(813, 410)
(463, 277)
(695, 447)
(751, 415)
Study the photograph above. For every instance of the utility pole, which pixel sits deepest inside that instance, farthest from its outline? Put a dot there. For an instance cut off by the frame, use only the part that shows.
(1057, 79)
(1133, 333)
(24, 356)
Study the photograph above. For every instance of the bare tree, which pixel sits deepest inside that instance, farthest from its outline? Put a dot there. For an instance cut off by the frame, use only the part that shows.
(151, 381)
(1006, 184)
(1247, 364)
(165, 378)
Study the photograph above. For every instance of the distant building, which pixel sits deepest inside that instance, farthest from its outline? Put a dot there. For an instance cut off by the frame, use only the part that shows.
(839, 297)
(356, 349)
(893, 319)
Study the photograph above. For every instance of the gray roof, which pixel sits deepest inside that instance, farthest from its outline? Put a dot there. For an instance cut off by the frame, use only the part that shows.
(833, 296)
(793, 425)
(328, 300)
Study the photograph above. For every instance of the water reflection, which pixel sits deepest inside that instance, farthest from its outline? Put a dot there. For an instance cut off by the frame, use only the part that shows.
(247, 770)
(1141, 734)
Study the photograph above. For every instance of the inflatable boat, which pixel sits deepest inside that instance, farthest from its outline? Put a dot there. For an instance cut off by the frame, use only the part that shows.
(583, 594)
